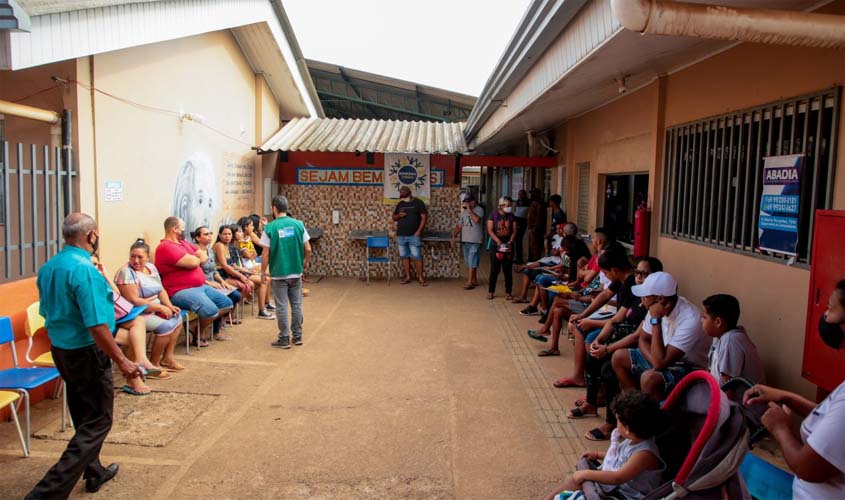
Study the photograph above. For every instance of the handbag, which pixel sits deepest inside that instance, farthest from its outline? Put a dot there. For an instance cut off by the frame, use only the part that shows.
(124, 310)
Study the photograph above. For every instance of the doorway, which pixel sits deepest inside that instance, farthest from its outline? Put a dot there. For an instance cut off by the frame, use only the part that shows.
(623, 194)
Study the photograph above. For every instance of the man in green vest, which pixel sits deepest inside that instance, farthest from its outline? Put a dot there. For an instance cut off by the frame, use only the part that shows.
(286, 252)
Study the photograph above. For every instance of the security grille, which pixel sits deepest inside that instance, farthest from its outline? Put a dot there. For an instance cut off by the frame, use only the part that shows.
(714, 166)
(583, 197)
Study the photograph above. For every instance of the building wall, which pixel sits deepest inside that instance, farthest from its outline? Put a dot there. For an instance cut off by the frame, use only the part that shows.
(626, 136)
(361, 207)
(168, 166)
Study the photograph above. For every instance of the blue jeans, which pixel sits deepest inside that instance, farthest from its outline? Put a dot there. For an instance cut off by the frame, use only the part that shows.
(472, 254)
(204, 301)
(671, 374)
(409, 246)
(288, 290)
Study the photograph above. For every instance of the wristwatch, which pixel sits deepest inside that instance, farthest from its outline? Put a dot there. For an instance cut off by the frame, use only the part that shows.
(654, 321)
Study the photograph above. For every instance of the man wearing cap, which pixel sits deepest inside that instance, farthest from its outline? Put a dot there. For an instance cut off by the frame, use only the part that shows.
(471, 229)
(671, 342)
(410, 217)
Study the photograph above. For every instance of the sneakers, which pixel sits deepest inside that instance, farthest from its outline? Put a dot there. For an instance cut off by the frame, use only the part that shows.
(530, 311)
(544, 315)
(297, 341)
(282, 343)
(270, 306)
(265, 314)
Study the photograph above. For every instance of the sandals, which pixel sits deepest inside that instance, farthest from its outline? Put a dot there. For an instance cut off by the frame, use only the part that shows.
(173, 368)
(222, 337)
(509, 297)
(490, 296)
(567, 382)
(159, 375)
(128, 389)
(579, 413)
(548, 352)
(536, 336)
(596, 435)
(199, 342)
(404, 281)
(519, 301)
(469, 287)
(423, 283)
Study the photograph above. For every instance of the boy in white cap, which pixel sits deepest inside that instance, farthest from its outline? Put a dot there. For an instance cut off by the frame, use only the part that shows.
(671, 344)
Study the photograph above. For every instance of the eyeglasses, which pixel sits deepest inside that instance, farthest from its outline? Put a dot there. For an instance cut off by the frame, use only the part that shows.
(641, 273)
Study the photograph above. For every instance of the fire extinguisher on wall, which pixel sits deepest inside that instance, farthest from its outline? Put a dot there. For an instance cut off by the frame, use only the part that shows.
(642, 228)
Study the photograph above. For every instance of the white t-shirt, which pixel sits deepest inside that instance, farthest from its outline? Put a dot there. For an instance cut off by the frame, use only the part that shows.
(736, 356)
(822, 431)
(265, 242)
(553, 260)
(682, 329)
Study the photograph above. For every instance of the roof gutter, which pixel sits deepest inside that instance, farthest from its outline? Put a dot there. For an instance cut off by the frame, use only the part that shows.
(541, 24)
(301, 64)
(779, 27)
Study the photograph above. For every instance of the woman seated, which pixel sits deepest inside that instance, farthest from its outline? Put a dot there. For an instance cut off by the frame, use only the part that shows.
(202, 236)
(231, 268)
(139, 282)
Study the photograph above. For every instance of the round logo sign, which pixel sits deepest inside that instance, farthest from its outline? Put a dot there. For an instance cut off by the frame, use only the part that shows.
(407, 175)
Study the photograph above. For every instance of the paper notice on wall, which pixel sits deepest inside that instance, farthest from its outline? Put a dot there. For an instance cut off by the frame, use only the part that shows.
(780, 204)
(238, 186)
(114, 191)
(409, 170)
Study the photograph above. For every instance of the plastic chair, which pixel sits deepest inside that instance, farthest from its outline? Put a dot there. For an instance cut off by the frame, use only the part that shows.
(765, 480)
(35, 322)
(9, 398)
(19, 379)
(378, 242)
(187, 317)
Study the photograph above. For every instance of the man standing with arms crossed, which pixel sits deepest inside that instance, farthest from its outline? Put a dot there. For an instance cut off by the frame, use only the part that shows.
(77, 303)
(410, 216)
(287, 253)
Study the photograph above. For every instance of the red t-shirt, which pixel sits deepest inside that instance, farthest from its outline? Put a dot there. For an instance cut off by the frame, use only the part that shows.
(592, 265)
(173, 277)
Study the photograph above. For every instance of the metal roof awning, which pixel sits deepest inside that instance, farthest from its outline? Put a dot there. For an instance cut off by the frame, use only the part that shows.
(375, 136)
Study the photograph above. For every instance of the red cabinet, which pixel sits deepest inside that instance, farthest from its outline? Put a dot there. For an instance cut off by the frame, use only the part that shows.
(823, 365)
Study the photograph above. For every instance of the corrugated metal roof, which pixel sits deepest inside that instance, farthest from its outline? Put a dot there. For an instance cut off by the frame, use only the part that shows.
(377, 136)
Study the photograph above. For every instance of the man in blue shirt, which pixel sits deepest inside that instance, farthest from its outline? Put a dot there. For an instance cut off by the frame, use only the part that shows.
(77, 303)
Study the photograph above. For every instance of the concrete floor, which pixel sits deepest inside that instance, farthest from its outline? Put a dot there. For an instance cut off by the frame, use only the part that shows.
(398, 392)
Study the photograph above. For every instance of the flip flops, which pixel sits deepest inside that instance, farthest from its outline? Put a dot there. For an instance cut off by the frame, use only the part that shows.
(548, 352)
(596, 435)
(469, 287)
(158, 374)
(566, 382)
(423, 283)
(128, 389)
(172, 368)
(404, 281)
(536, 336)
(576, 413)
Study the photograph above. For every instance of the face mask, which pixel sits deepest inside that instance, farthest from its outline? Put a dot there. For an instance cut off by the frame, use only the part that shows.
(405, 198)
(831, 333)
(508, 210)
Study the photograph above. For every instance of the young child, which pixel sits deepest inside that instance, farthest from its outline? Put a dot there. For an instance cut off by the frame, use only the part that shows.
(733, 354)
(631, 467)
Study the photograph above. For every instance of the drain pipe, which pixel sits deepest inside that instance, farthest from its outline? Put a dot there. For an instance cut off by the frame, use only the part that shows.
(23, 111)
(779, 27)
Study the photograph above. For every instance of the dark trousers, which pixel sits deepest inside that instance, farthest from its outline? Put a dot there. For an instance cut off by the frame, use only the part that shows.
(598, 373)
(506, 266)
(522, 226)
(90, 398)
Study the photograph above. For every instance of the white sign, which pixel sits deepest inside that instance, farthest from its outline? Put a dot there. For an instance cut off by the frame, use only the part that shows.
(114, 190)
(406, 170)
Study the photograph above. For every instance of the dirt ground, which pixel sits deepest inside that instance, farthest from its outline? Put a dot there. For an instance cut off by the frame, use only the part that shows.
(398, 392)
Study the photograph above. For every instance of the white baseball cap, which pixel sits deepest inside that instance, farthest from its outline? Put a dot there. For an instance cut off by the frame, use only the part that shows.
(659, 283)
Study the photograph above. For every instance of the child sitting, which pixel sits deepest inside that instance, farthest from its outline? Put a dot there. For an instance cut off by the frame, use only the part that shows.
(733, 354)
(631, 468)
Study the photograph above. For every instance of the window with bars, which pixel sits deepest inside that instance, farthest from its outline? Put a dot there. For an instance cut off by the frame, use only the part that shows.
(714, 167)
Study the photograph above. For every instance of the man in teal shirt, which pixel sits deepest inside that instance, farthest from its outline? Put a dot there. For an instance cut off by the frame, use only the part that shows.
(286, 252)
(77, 303)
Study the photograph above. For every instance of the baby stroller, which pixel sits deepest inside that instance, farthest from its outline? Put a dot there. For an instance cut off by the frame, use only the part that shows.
(706, 439)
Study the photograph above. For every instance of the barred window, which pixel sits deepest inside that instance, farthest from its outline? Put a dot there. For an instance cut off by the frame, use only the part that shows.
(713, 171)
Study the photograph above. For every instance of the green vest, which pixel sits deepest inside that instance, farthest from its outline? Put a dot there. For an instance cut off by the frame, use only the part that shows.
(287, 249)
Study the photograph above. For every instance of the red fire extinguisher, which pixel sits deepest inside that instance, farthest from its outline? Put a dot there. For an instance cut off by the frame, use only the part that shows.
(642, 227)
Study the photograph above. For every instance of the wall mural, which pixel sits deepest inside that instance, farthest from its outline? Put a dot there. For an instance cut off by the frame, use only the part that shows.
(196, 199)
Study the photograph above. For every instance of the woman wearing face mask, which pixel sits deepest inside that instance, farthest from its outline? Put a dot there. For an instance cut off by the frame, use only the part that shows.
(502, 229)
(817, 457)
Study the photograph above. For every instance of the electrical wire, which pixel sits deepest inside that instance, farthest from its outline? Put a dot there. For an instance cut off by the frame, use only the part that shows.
(37, 93)
(169, 112)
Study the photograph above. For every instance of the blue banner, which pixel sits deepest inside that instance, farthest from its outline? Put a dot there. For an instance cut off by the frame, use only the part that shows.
(780, 204)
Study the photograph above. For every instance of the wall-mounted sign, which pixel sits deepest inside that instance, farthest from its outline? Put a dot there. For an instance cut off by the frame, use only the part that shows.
(406, 170)
(336, 176)
(780, 204)
(114, 191)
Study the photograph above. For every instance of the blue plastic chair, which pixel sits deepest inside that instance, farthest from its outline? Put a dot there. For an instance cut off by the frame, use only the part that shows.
(378, 242)
(765, 480)
(19, 379)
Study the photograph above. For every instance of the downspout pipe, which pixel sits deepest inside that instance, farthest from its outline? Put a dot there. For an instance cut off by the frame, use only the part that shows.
(23, 111)
(778, 27)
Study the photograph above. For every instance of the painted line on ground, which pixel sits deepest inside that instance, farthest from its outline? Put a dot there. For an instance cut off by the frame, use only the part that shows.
(121, 459)
(226, 361)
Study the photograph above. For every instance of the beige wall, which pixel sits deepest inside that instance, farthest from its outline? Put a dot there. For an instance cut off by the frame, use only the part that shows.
(148, 151)
(626, 135)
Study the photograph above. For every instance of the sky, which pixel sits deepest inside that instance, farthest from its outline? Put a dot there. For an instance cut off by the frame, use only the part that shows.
(450, 44)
